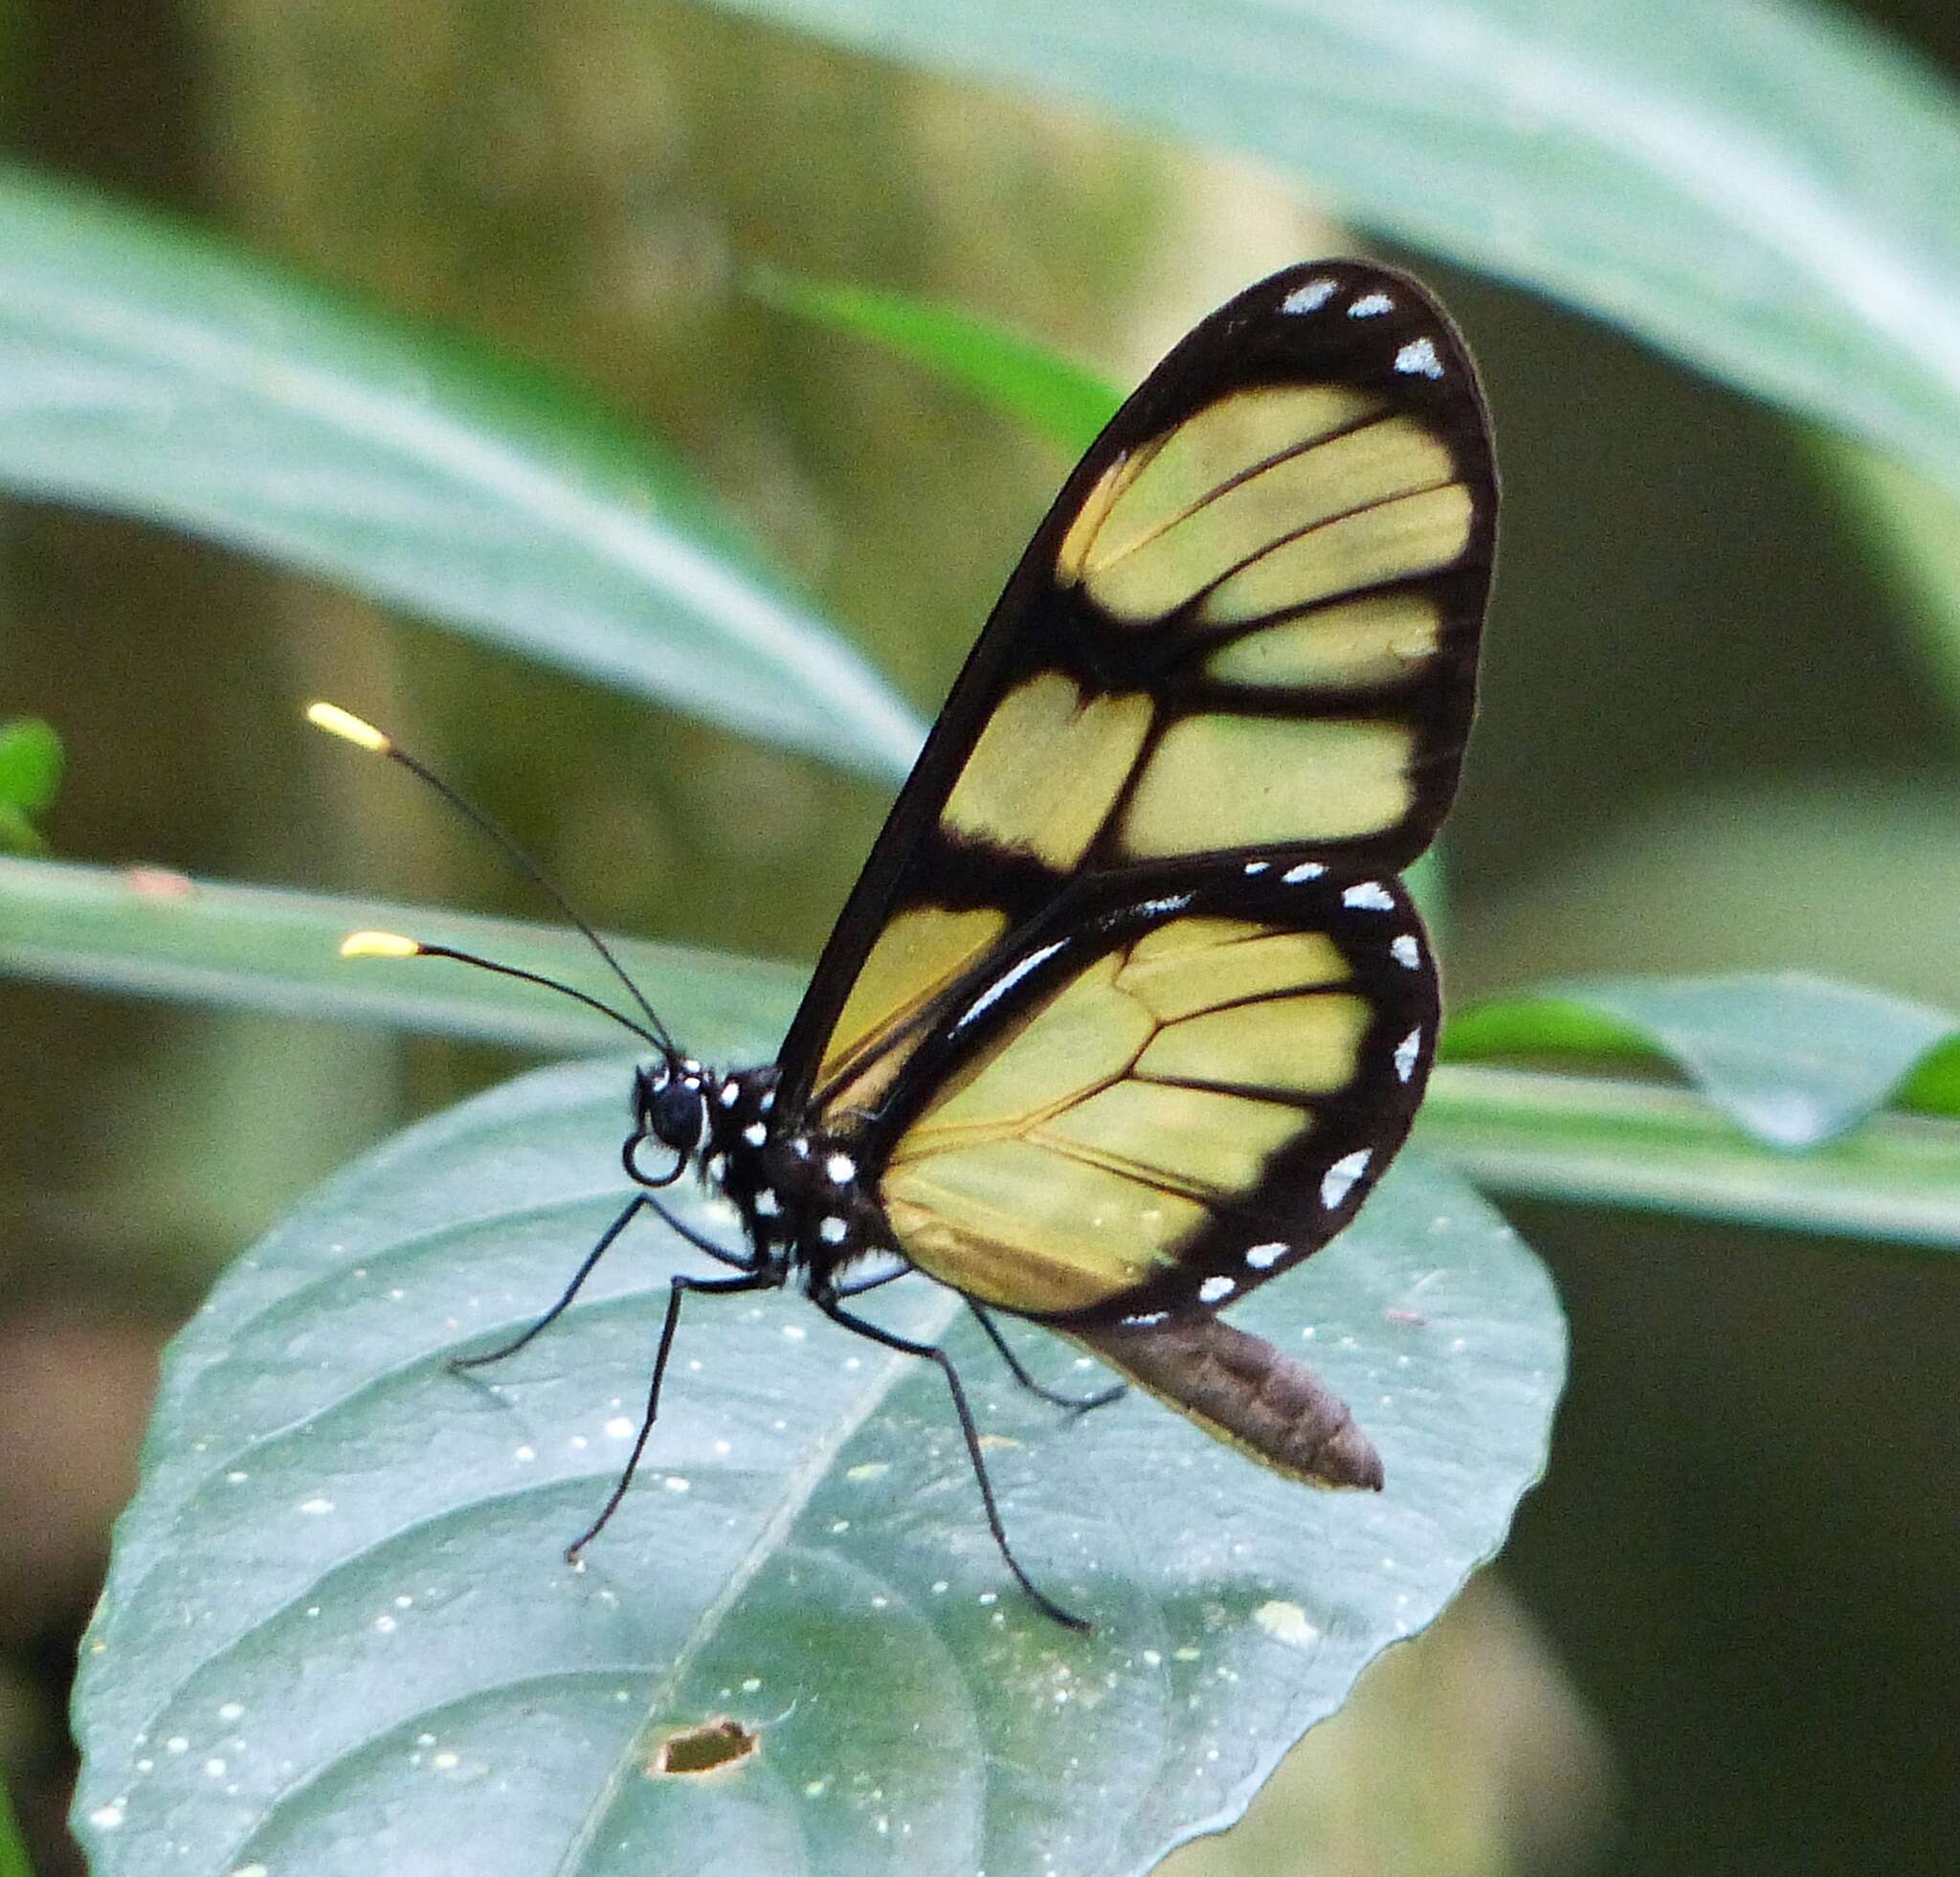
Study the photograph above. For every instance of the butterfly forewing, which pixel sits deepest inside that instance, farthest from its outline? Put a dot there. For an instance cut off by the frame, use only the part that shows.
(1239, 651)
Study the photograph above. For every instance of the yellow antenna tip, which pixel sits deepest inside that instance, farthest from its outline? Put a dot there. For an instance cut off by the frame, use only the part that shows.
(379, 944)
(336, 722)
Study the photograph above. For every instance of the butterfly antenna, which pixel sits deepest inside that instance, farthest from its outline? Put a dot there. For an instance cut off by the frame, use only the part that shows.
(392, 945)
(363, 736)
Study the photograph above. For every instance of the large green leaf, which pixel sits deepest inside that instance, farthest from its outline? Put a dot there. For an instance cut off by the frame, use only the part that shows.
(337, 1633)
(1713, 177)
(148, 369)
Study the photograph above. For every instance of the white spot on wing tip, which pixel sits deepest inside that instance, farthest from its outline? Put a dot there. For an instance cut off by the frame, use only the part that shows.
(1216, 1289)
(1419, 358)
(1406, 1052)
(1404, 951)
(1309, 298)
(1307, 870)
(1263, 1258)
(1369, 896)
(1370, 305)
(1338, 1181)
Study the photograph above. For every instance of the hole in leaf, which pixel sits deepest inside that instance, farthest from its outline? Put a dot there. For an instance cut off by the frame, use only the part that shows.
(704, 1749)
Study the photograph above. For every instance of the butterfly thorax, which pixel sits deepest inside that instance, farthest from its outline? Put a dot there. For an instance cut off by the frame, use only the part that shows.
(796, 1189)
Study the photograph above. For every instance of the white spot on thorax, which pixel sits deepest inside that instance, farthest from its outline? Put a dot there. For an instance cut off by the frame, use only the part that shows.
(766, 1204)
(1310, 298)
(841, 1169)
(730, 1094)
(1214, 1288)
(1370, 896)
(1263, 1258)
(1369, 306)
(1307, 870)
(756, 1134)
(1419, 358)
(832, 1231)
(1404, 951)
(1339, 1179)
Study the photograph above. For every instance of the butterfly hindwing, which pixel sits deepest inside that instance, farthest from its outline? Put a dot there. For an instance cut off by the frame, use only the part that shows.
(1248, 627)
(1157, 1103)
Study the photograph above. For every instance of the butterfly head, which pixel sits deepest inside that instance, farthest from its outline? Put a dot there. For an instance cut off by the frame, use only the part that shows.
(670, 1120)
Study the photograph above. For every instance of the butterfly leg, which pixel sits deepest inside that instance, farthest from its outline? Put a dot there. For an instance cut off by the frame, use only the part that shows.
(681, 1287)
(1080, 1405)
(859, 1325)
(857, 1286)
(460, 1363)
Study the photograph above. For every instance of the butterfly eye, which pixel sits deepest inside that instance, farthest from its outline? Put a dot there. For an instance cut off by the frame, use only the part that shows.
(672, 1115)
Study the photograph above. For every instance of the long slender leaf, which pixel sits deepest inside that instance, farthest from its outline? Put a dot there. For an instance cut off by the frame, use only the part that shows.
(1765, 190)
(145, 368)
(339, 1634)
(1602, 1139)
(1066, 402)
(152, 933)
(1601, 1142)
(1795, 1060)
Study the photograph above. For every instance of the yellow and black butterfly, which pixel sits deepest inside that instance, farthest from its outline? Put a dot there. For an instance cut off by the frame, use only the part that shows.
(1128, 1010)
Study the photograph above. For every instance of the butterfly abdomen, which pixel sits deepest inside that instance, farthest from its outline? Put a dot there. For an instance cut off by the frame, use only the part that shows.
(1241, 1389)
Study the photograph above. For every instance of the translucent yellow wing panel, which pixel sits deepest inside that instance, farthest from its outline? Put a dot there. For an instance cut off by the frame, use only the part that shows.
(1247, 632)
(1190, 1093)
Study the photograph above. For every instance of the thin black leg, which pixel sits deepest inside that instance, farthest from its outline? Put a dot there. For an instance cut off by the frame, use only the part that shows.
(1079, 1404)
(720, 1254)
(681, 1287)
(857, 1286)
(906, 1347)
(462, 1362)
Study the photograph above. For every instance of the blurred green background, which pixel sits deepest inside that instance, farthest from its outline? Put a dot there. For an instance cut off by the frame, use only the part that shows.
(1725, 1634)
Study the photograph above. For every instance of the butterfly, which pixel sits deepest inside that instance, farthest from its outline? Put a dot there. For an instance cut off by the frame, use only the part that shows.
(1129, 1010)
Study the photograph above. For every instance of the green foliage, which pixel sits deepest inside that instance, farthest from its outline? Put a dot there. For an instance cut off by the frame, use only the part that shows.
(153, 372)
(338, 1628)
(31, 763)
(1705, 177)
(1063, 401)
(336, 1599)
(14, 1859)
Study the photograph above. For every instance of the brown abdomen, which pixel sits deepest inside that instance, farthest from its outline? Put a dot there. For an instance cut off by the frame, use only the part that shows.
(1241, 1390)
